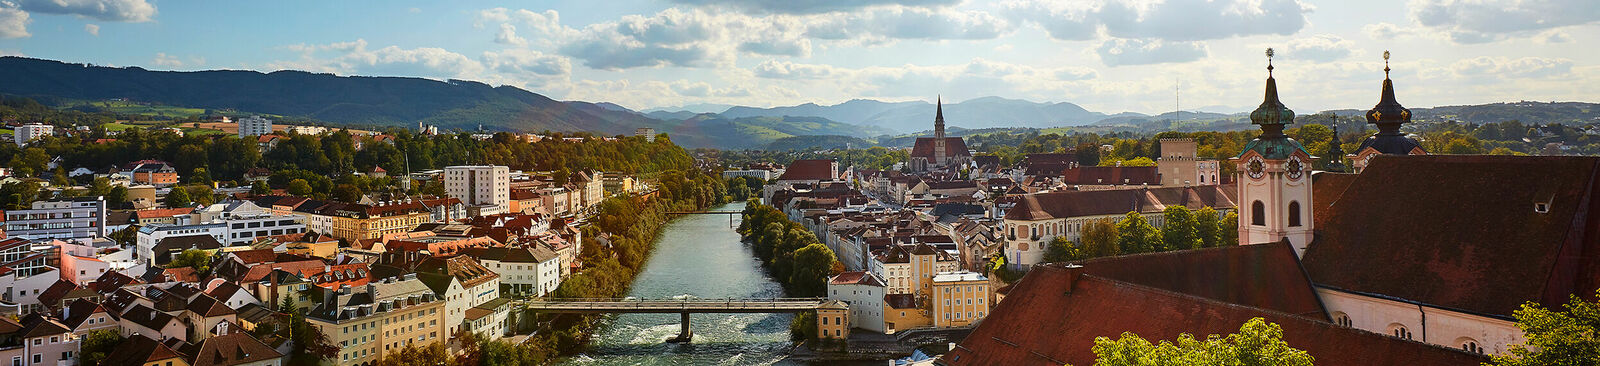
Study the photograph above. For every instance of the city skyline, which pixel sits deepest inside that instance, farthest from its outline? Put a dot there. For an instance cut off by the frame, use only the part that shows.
(1109, 56)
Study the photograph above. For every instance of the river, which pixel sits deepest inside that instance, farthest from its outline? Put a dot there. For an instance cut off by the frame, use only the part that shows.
(696, 256)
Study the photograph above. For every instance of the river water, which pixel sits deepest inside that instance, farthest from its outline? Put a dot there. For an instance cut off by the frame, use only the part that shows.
(696, 256)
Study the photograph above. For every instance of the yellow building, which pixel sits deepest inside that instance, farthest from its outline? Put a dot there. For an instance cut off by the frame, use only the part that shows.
(959, 298)
(378, 318)
(833, 320)
(902, 312)
(361, 222)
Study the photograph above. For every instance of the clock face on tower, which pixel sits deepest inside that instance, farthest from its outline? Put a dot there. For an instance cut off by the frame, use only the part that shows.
(1295, 169)
(1256, 168)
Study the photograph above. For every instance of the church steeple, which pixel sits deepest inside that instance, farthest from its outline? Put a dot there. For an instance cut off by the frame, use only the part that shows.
(1272, 115)
(940, 151)
(1335, 152)
(1388, 115)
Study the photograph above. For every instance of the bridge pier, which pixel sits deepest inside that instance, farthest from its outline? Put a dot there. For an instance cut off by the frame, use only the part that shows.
(684, 335)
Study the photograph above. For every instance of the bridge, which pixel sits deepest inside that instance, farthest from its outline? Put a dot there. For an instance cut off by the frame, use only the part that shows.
(671, 306)
(731, 214)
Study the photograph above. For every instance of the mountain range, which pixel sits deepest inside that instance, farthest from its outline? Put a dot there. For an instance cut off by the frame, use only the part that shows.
(460, 104)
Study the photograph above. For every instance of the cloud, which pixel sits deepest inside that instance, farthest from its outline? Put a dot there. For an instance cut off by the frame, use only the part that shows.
(92, 29)
(1501, 67)
(672, 37)
(163, 60)
(1386, 31)
(527, 62)
(909, 23)
(508, 35)
(106, 10)
(1171, 20)
(355, 57)
(1481, 21)
(773, 69)
(813, 6)
(1122, 52)
(1553, 36)
(13, 22)
(1319, 48)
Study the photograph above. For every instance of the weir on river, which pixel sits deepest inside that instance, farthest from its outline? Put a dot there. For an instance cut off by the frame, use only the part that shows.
(696, 256)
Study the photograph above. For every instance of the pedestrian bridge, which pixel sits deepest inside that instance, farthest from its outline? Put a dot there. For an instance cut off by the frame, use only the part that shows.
(674, 306)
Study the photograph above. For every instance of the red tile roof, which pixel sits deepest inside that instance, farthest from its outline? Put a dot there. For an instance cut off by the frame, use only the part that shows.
(1052, 318)
(1087, 175)
(1232, 274)
(1063, 204)
(815, 169)
(953, 146)
(1461, 232)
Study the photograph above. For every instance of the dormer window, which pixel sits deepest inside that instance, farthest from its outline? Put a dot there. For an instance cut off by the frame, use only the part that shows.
(1541, 207)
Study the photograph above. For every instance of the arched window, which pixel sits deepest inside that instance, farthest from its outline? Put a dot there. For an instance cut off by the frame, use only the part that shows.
(1341, 319)
(1399, 331)
(1294, 213)
(1258, 214)
(1469, 345)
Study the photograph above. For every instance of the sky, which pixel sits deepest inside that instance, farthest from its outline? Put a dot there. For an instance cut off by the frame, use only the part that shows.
(1147, 56)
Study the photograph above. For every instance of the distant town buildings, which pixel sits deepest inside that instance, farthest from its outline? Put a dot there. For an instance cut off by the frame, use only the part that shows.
(485, 188)
(929, 153)
(254, 126)
(24, 134)
(649, 134)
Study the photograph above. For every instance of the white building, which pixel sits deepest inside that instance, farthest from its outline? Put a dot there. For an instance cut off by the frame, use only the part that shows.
(32, 131)
(763, 175)
(649, 134)
(246, 221)
(864, 292)
(71, 218)
(534, 271)
(255, 126)
(479, 185)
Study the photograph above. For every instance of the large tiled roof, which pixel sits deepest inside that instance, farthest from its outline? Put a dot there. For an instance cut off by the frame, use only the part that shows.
(230, 349)
(856, 278)
(1063, 204)
(815, 169)
(1052, 317)
(1087, 175)
(1232, 274)
(953, 146)
(138, 351)
(1462, 232)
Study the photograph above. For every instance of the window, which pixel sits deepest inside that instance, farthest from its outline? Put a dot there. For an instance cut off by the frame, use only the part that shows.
(1341, 319)
(1470, 345)
(1540, 207)
(1258, 214)
(1399, 331)
(1294, 213)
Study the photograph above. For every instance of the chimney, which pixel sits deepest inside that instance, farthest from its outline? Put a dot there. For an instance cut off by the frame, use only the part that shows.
(273, 278)
(1073, 273)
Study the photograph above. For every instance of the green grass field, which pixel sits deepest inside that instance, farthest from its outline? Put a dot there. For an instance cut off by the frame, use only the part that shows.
(125, 107)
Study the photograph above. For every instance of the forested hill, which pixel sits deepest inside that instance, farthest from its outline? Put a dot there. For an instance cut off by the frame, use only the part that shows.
(382, 101)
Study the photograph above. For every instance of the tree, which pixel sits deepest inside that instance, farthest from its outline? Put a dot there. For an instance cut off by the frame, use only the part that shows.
(1061, 250)
(812, 264)
(1087, 153)
(117, 196)
(299, 187)
(260, 187)
(97, 345)
(200, 193)
(1100, 238)
(1570, 337)
(311, 346)
(178, 197)
(1206, 225)
(433, 354)
(198, 259)
(1135, 235)
(1258, 343)
(1228, 229)
(1179, 232)
(346, 193)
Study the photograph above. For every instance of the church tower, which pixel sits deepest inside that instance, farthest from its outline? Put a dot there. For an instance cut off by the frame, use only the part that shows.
(1274, 178)
(940, 156)
(1388, 115)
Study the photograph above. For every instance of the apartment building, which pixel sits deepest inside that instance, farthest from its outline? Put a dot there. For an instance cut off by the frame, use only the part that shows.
(68, 218)
(485, 186)
(378, 318)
